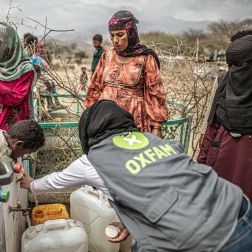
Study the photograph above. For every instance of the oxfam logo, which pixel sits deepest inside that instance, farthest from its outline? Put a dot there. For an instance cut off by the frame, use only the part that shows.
(133, 141)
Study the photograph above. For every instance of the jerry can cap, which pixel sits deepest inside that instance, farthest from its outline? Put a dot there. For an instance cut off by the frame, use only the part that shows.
(4, 195)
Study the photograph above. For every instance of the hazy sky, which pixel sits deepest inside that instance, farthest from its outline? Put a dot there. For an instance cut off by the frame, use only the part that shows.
(87, 15)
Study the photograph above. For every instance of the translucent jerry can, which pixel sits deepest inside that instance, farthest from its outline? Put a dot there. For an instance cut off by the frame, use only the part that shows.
(55, 236)
(93, 209)
(42, 213)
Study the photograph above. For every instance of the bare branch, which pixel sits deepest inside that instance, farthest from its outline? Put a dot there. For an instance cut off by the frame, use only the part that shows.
(49, 30)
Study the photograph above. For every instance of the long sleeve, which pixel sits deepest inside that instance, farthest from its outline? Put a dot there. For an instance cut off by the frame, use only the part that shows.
(96, 83)
(13, 93)
(80, 172)
(154, 96)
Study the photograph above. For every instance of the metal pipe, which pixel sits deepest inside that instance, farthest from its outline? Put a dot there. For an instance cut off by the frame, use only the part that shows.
(19, 208)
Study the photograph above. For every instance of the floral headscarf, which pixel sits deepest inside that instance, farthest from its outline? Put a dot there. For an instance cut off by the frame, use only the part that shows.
(14, 61)
(125, 20)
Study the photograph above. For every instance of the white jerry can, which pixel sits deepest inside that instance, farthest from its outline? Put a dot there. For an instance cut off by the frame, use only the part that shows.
(93, 209)
(55, 236)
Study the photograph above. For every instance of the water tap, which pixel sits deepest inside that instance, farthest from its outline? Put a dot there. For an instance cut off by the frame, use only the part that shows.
(32, 158)
(19, 208)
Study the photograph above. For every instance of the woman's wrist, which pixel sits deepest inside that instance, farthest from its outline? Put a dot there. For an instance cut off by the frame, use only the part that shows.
(156, 132)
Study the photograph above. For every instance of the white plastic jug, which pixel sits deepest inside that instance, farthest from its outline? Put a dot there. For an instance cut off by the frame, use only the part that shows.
(93, 209)
(55, 236)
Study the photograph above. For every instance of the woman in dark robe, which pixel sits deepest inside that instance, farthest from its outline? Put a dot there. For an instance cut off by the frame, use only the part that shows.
(227, 143)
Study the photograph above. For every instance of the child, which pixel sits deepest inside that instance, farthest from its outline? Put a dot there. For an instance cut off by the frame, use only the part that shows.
(24, 137)
(97, 43)
(83, 79)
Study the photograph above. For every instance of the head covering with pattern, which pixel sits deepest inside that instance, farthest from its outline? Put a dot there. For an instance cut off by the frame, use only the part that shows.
(125, 20)
(14, 61)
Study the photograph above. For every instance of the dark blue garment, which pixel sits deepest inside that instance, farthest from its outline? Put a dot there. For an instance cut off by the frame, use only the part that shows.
(241, 239)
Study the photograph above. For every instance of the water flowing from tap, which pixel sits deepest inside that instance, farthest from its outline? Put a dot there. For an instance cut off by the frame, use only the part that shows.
(35, 198)
(28, 220)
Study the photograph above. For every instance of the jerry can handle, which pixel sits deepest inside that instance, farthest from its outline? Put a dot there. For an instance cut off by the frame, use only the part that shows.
(94, 193)
(54, 225)
(103, 197)
(54, 211)
(99, 194)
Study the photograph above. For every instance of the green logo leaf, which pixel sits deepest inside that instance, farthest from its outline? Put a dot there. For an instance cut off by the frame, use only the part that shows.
(133, 141)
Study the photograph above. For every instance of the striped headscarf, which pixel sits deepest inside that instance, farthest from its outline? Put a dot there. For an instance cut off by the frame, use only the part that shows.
(14, 61)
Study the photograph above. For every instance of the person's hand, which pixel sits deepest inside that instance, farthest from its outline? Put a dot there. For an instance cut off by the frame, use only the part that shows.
(157, 132)
(25, 181)
(123, 234)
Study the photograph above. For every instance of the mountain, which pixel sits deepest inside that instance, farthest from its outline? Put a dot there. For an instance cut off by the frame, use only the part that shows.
(173, 25)
(167, 24)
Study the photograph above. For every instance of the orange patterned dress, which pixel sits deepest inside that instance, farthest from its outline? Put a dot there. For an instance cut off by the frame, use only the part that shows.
(135, 86)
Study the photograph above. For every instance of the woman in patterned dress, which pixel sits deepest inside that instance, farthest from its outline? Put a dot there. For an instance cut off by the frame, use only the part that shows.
(129, 75)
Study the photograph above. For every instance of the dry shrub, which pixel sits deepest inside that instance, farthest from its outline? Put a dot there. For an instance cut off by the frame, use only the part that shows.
(183, 86)
(186, 89)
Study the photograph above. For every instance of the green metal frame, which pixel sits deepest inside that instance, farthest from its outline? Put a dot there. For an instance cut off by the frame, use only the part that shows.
(183, 132)
(184, 136)
(185, 122)
(35, 103)
(185, 129)
(62, 95)
(45, 125)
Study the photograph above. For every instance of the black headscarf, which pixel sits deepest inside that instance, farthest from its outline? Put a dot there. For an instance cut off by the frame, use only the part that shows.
(103, 119)
(125, 20)
(234, 104)
(239, 51)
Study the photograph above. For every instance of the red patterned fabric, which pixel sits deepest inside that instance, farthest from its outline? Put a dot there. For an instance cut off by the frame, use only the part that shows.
(230, 157)
(14, 100)
(135, 86)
